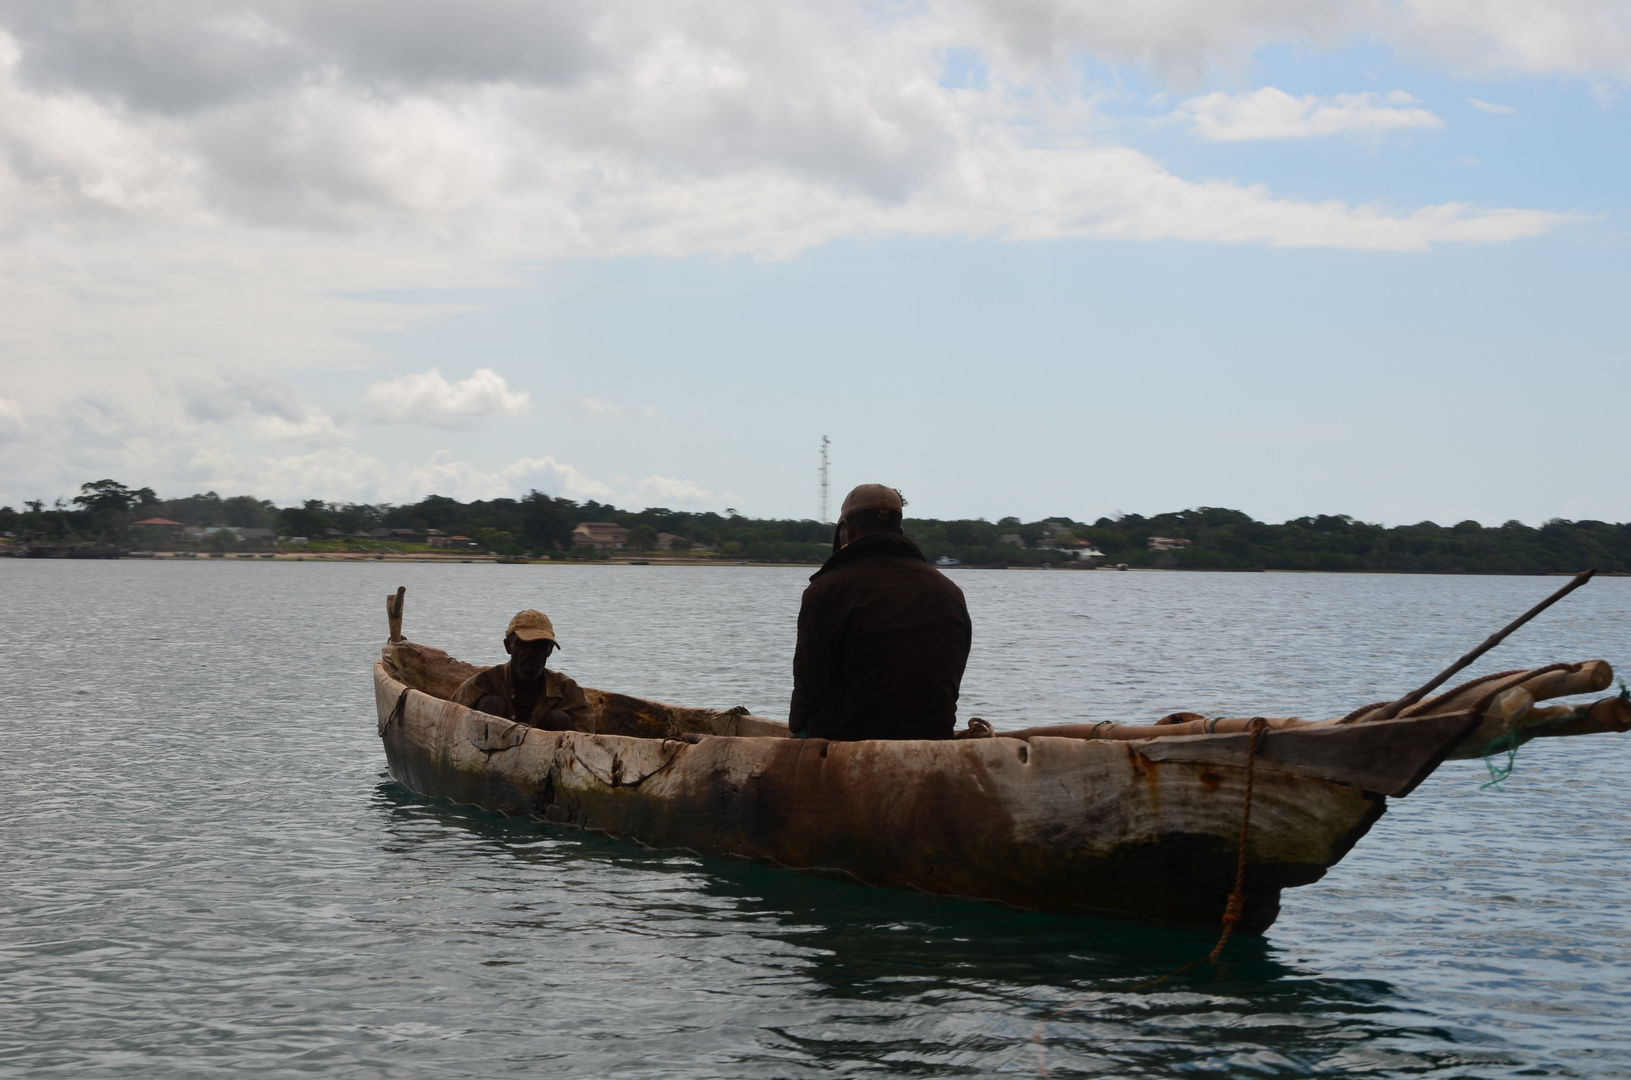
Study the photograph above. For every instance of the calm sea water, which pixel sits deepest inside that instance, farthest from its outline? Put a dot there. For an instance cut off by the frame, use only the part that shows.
(207, 871)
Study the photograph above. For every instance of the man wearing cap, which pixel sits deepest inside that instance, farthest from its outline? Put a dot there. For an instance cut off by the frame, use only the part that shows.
(524, 689)
(882, 636)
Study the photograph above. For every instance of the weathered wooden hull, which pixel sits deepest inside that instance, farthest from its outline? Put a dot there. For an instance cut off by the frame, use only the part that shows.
(1147, 829)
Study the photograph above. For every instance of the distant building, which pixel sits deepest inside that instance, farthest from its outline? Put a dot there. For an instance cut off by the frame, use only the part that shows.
(1089, 554)
(406, 536)
(436, 538)
(1011, 538)
(174, 528)
(1167, 543)
(1056, 534)
(672, 542)
(239, 532)
(600, 535)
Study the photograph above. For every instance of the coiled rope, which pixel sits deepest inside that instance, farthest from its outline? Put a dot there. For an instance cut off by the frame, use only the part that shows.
(1231, 910)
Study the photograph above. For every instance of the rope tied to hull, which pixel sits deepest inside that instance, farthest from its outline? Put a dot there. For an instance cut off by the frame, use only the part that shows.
(1232, 909)
(1237, 898)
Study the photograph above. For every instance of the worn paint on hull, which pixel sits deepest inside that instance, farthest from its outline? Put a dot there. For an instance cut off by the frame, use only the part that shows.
(1068, 826)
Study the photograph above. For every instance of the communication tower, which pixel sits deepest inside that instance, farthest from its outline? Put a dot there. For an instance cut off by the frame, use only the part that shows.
(824, 442)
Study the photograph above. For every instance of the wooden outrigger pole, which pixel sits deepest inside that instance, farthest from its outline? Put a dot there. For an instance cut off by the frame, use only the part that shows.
(1395, 708)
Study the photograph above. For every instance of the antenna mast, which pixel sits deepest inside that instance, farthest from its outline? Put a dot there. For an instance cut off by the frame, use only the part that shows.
(824, 442)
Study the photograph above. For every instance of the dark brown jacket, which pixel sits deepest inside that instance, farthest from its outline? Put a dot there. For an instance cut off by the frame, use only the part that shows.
(560, 692)
(883, 638)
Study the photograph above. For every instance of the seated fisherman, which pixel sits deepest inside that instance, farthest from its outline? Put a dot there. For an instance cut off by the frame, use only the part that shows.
(882, 636)
(524, 689)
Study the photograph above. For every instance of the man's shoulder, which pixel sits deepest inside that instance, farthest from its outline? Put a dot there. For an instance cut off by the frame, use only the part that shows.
(488, 676)
(859, 577)
(559, 684)
(486, 679)
(887, 563)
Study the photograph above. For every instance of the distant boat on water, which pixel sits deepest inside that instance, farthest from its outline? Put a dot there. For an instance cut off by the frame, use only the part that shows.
(947, 560)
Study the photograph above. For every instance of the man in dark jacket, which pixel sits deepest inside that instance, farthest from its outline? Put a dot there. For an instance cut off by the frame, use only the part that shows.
(883, 636)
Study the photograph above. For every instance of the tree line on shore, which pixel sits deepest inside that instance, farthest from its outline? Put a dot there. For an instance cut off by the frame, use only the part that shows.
(107, 511)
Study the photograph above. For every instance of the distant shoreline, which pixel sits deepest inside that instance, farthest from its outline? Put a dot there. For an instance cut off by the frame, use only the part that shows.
(424, 558)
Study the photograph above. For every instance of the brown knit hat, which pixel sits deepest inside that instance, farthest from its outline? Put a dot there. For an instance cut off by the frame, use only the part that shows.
(871, 497)
(863, 497)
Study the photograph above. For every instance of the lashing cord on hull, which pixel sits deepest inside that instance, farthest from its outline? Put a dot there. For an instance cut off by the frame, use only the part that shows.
(399, 712)
(1508, 744)
(1231, 910)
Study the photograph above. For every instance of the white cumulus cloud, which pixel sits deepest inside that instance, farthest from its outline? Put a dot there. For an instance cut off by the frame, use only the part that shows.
(172, 173)
(348, 474)
(223, 433)
(428, 398)
(1271, 113)
(512, 132)
(275, 409)
(1185, 40)
(1490, 107)
(186, 185)
(555, 478)
(316, 426)
(669, 492)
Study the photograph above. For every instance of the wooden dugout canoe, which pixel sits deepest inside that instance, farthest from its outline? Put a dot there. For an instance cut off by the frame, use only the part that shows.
(1118, 820)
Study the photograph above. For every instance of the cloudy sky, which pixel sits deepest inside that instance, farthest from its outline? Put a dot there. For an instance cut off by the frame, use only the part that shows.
(1014, 256)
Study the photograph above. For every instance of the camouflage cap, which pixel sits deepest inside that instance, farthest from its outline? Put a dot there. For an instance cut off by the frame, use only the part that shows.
(871, 497)
(530, 625)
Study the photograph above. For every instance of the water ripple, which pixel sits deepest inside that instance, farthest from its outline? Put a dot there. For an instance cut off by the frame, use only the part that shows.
(207, 871)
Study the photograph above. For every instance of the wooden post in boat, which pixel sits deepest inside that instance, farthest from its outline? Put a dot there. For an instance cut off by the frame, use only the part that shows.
(393, 611)
(1395, 708)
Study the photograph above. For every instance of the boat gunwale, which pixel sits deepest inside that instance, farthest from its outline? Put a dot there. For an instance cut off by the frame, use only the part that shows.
(1229, 748)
